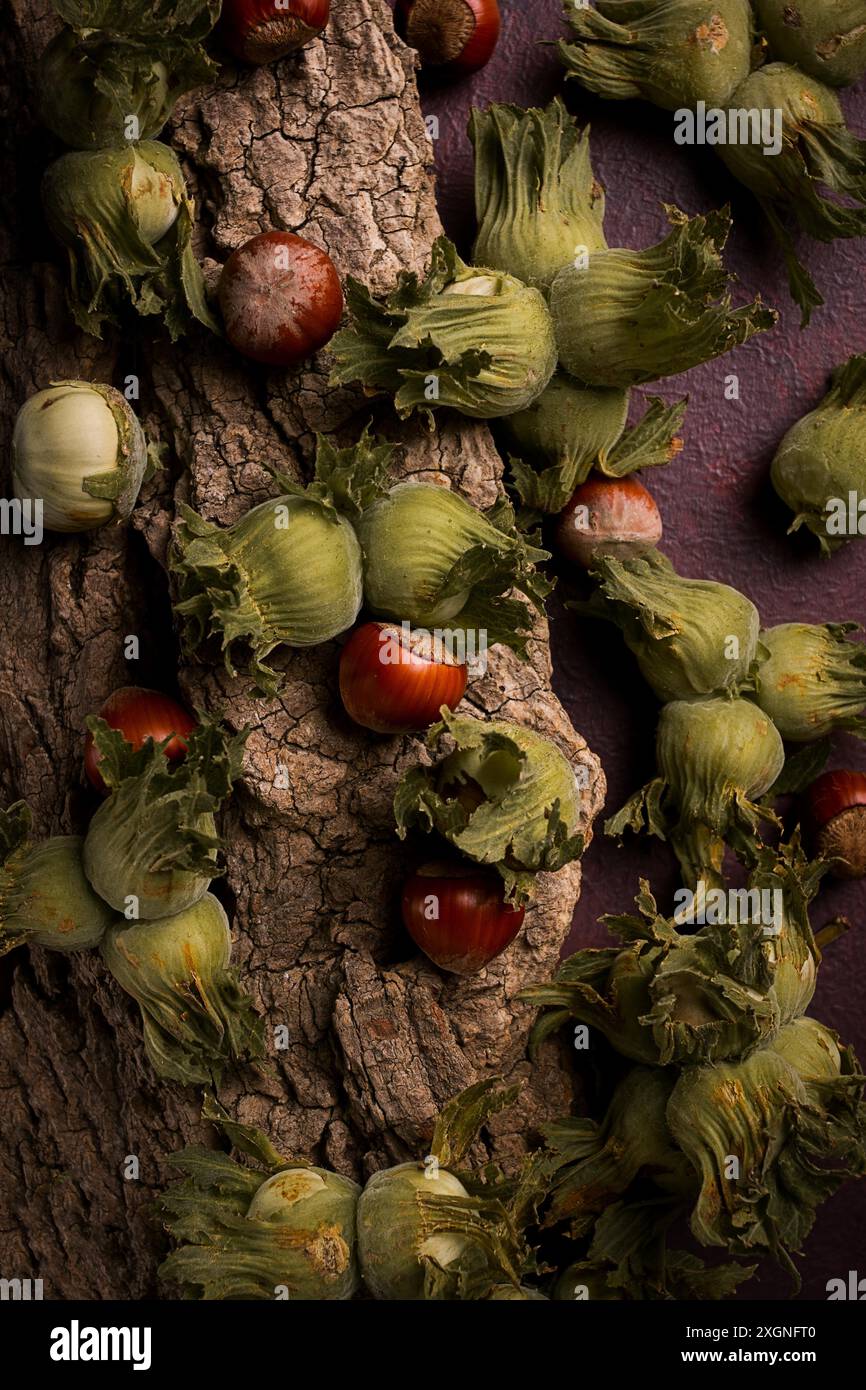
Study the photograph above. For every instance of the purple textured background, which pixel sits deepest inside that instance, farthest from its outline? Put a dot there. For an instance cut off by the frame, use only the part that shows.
(722, 521)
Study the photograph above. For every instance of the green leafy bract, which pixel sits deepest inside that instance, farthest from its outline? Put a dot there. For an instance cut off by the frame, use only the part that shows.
(505, 796)
(195, 1015)
(633, 316)
(690, 636)
(536, 199)
(154, 839)
(126, 221)
(474, 339)
(673, 53)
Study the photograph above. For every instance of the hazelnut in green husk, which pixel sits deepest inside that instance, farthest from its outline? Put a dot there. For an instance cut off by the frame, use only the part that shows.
(395, 1243)
(537, 202)
(792, 1116)
(45, 897)
(114, 73)
(243, 1236)
(505, 796)
(673, 53)
(570, 430)
(827, 40)
(289, 573)
(126, 221)
(818, 177)
(196, 1017)
(716, 758)
(673, 996)
(592, 1164)
(151, 850)
(78, 446)
(813, 680)
(633, 316)
(433, 560)
(474, 339)
(690, 636)
(819, 469)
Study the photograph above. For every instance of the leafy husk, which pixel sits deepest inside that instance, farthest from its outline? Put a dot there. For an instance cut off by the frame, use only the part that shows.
(716, 756)
(570, 430)
(434, 560)
(818, 179)
(685, 997)
(673, 53)
(680, 630)
(537, 202)
(195, 1015)
(136, 61)
(91, 210)
(826, 41)
(289, 573)
(504, 796)
(422, 342)
(821, 462)
(223, 1253)
(45, 898)
(811, 680)
(792, 1115)
(154, 840)
(635, 316)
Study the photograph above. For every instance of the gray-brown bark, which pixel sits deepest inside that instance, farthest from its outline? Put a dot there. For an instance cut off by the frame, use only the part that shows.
(331, 145)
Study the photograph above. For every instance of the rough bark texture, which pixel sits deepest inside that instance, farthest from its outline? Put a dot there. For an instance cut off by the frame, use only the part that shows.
(330, 144)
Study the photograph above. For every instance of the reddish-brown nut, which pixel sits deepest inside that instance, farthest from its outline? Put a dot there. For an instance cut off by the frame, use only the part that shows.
(458, 35)
(837, 814)
(281, 298)
(393, 681)
(608, 516)
(261, 31)
(458, 916)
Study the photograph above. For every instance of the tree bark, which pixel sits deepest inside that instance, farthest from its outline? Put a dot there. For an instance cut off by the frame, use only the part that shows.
(330, 144)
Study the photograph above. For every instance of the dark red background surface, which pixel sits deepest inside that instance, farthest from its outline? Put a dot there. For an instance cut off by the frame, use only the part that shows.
(721, 518)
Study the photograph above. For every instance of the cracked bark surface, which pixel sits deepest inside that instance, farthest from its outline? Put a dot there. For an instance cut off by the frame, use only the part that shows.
(332, 145)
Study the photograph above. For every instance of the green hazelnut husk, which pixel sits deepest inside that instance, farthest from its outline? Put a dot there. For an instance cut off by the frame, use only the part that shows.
(812, 681)
(115, 71)
(819, 469)
(395, 1243)
(289, 573)
(626, 317)
(504, 796)
(818, 177)
(471, 338)
(716, 757)
(433, 560)
(537, 201)
(281, 1230)
(152, 846)
(45, 898)
(828, 41)
(791, 1114)
(673, 53)
(691, 637)
(196, 1018)
(126, 221)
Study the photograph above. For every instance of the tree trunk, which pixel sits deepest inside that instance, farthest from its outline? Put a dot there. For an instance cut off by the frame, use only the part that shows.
(330, 144)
